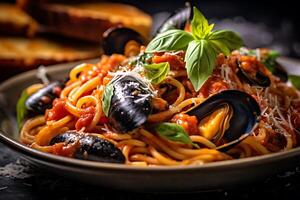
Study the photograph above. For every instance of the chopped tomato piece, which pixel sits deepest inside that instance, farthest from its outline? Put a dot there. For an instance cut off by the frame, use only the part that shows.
(86, 118)
(189, 123)
(58, 110)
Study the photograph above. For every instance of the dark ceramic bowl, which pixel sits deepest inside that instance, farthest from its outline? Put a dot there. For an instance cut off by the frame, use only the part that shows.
(160, 179)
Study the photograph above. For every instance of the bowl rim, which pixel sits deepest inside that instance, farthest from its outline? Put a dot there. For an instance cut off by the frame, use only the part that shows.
(228, 164)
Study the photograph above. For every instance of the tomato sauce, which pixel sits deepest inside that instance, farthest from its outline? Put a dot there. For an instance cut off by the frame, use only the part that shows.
(107, 63)
(213, 85)
(86, 118)
(65, 150)
(174, 59)
(189, 123)
(58, 110)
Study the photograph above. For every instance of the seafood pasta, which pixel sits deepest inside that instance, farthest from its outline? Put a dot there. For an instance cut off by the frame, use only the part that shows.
(191, 96)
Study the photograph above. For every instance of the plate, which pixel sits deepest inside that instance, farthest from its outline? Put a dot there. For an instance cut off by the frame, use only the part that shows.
(216, 175)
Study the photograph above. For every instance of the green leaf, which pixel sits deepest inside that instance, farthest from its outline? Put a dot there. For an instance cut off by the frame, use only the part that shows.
(201, 46)
(273, 54)
(174, 132)
(171, 40)
(220, 47)
(199, 24)
(106, 99)
(156, 73)
(21, 108)
(295, 80)
(225, 41)
(140, 60)
(200, 61)
(269, 60)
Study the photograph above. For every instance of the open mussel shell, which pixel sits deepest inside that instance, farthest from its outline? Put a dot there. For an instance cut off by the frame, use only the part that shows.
(245, 114)
(279, 71)
(177, 20)
(91, 147)
(38, 102)
(130, 104)
(116, 38)
(258, 79)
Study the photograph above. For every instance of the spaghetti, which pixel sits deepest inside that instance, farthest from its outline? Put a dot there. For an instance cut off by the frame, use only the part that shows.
(79, 107)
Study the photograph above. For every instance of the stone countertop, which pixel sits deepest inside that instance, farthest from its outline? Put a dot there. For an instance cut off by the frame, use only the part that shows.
(26, 182)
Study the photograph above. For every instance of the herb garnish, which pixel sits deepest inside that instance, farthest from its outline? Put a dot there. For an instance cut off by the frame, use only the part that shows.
(156, 73)
(174, 132)
(295, 80)
(21, 108)
(106, 99)
(202, 46)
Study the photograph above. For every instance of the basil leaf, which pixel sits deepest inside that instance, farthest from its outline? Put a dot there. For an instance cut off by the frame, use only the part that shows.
(269, 60)
(272, 54)
(201, 46)
(199, 24)
(200, 61)
(141, 59)
(220, 47)
(295, 80)
(171, 40)
(225, 40)
(21, 108)
(174, 132)
(157, 72)
(106, 99)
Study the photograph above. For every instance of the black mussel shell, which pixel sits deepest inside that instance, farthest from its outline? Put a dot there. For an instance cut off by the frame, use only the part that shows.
(116, 38)
(177, 20)
(246, 112)
(92, 147)
(130, 104)
(279, 71)
(38, 102)
(259, 79)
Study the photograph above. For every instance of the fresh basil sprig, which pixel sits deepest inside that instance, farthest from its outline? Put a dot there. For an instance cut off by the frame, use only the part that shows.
(21, 108)
(106, 99)
(174, 132)
(202, 46)
(156, 73)
(295, 80)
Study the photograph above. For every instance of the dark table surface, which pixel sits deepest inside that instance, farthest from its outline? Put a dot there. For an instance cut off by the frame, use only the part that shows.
(26, 182)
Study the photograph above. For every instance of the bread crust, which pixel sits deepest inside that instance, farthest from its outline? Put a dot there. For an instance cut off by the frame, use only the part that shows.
(87, 21)
(30, 53)
(14, 21)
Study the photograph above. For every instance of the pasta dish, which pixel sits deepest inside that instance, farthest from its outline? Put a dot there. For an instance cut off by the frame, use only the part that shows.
(191, 96)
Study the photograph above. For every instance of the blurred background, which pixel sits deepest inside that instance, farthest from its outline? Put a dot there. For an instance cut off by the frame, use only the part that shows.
(50, 37)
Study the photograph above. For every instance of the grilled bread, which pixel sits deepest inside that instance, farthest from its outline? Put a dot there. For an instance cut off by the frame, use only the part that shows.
(14, 21)
(87, 21)
(29, 53)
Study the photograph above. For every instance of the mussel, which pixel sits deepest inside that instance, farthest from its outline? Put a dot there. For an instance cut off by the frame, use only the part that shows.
(91, 147)
(115, 39)
(242, 114)
(258, 78)
(38, 102)
(278, 71)
(130, 103)
(178, 19)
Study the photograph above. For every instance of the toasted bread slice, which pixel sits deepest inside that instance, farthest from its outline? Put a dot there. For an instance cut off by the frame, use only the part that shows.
(29, 53)
(87, 21)
(14, 21)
